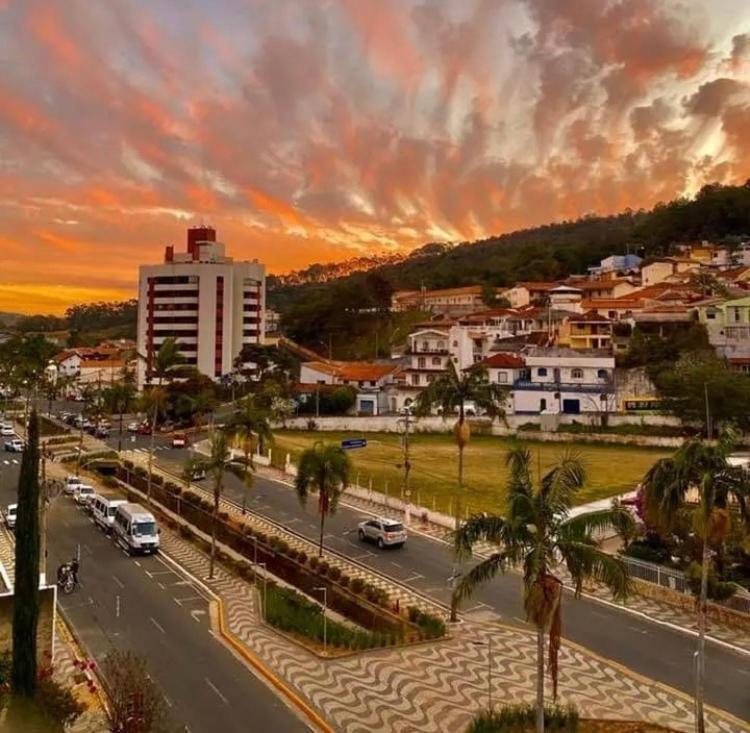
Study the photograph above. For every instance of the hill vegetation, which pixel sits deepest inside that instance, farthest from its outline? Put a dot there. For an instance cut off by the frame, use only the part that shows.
(354, 307)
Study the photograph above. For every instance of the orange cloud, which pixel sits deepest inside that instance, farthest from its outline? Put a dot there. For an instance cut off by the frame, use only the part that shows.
(267, 204)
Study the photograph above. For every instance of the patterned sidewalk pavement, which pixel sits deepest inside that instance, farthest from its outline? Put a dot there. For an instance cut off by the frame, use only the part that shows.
(439, 686)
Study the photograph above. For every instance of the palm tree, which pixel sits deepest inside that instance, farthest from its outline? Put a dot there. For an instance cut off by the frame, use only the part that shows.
(153, 402)
(325, 468)
(215, 465)
(450, 393)
(201, 405)
(121, 397)
(249, 424)
(537, 534)
(702, 467)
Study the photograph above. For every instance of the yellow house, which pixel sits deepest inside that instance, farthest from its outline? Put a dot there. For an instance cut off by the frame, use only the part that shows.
(586, 331)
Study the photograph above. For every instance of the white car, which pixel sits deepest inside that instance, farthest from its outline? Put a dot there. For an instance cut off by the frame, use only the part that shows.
(71, 484)
(6, 430)
(14, 446)
(83, 494)
(133, 427)
(383, 532)
(10, 516)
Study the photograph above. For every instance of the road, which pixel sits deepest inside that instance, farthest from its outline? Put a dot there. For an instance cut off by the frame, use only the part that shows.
(144, 605)
(652, 650)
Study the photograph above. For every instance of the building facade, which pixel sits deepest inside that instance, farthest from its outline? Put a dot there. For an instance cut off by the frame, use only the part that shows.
(212, 305)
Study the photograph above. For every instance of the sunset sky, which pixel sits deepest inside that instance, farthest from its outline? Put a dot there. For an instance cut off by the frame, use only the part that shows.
(316, 130)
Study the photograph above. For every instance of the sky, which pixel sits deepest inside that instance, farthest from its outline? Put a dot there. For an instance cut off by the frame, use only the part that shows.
(318, 130)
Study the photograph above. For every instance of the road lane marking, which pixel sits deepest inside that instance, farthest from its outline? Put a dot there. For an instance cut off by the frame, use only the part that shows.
(118, 581)
(411, 578)
(216, 690)
(161, 585)
(180, 601)
(157, 624)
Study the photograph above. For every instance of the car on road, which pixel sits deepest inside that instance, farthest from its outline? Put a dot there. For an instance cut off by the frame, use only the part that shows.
(382, 531)
(101, 432)
(10, 516)
(144, 429)
(14, 446)
(103, 511)
(83, 494)
(135, 529)
(71, 482)
(179, 440)
(133, 427)
(197, 474)
(6, 430)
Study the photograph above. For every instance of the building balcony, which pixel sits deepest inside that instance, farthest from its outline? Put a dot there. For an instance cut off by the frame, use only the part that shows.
(586, 387)
(428, 352)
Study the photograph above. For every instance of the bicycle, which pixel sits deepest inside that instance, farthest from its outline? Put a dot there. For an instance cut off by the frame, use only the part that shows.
(66, 580)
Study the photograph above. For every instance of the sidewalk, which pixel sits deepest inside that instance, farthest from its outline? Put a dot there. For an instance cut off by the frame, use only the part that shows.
(439, 686)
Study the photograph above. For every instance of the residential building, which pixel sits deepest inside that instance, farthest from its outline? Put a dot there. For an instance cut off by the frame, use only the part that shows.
(615, 309)
(565, 297)
(707, 253)
(728, 326)
(525, 293)
(665, 268)
(561, 380)
(504, 369)
(617, 264)
(100, 372)
(605, 288)
(586, 331)
(741, 256)
(663, 320)
(70, 362)
(211, 304)
(368, 378)
(449, 302)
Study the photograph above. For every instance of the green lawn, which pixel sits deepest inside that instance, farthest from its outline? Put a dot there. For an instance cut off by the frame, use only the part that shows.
(611, 470)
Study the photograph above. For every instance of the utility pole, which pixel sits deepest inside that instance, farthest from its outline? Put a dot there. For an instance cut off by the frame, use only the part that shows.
(406, 421)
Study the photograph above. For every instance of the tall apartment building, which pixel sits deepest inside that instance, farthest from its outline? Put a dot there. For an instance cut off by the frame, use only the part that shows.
(209, 303)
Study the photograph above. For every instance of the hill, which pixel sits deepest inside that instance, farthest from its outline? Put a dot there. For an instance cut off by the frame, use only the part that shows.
(354, 307)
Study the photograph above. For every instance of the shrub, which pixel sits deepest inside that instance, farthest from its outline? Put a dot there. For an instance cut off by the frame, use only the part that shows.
(522, 718)
(314, 561)
(282, 546)
(648, 550)
(58, 701)
(323, 568)
(157, 479)
(186, 532)
(718, 590)
(140, 471)
(224, 516)
(357, 585)
(344, 581)
(334, 572)
(302, 557)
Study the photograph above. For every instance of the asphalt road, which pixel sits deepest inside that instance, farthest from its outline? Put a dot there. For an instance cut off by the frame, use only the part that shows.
(142, 604)
(650, 649)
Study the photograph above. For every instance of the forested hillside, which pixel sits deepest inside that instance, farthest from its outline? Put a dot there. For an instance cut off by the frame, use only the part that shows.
(355, 306)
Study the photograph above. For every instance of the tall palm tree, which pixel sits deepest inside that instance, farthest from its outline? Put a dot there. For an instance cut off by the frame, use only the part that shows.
(702, 467)
(249, 425)
(325, 468)
(215, 465)
(154, 403)
(450, 393)
(121, 397)
(537, 533)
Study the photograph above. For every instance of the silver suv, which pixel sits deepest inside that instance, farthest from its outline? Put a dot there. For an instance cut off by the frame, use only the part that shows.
(383, 532)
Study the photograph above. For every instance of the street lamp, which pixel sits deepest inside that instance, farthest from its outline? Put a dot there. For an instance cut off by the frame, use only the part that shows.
(324, 591)
(488, 644)
(263, 602)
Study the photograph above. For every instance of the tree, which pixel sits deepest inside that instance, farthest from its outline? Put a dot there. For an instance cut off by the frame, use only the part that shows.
(450, 393)
(249, 424)
(698, 376)
(202, 404)
(153, 402)
(703, 467)
(121, 399)
(536, 533)
(323, 469)
(136, 704)
(215, 465)
(26, 596)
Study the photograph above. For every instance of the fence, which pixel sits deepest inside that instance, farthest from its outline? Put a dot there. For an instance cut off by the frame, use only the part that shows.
(676, 580)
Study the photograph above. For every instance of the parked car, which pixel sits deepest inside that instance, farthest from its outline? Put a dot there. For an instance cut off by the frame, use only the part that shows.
(14, 446)
(179, 440)
(83, 494)
(103, 511)
(101, 432)
(198, 474)
(133, 427)
(144, 429)
(10, 516)
(71, 483)
(6, 430)
(383, 532)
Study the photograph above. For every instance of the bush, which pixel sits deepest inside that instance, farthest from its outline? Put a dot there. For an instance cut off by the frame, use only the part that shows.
(357, 585)
(58, 701)
(323, 568)
(314, 562)
(522, 718)
(334, 572)
(344, 581)
(302, 557)
(718, 590)
(648, 550)
(186, 532)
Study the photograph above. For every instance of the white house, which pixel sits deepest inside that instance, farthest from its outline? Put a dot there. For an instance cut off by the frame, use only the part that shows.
(566, 381)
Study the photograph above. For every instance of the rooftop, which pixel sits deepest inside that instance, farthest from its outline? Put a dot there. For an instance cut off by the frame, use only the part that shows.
(354, 371)
(503, 361)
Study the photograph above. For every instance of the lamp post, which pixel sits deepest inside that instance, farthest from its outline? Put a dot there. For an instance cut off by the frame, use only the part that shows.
(263, 601)
(488, 644)
(324, 591)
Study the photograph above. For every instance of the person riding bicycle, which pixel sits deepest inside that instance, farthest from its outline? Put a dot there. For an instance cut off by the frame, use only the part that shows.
(74, 565)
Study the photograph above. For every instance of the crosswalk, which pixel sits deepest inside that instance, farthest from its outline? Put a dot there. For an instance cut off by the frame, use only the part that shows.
(145, 451)
(13, 461)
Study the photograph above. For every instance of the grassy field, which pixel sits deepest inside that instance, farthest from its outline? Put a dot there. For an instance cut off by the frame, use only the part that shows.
(611, 470)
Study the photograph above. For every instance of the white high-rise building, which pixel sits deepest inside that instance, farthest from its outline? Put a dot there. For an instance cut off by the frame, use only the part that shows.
(212, 305)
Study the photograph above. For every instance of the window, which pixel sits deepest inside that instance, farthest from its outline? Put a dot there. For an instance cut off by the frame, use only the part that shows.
(736, 314)
(415, 379)
(425, 345)
(441, 345)
(430, 378)
(421, 362)
(436, 361)
(602, 374)
(542, 405)
(576, 373)
(541, 372)
(711, 315)
(455, 344)
(502, 377)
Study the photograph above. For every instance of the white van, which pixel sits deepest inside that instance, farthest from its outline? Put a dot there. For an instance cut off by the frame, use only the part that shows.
(71, 482)
(135, 529)
(103, 511)
(83, 494)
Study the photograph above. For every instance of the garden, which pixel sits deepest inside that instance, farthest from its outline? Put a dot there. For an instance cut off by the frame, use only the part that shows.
(612, 469)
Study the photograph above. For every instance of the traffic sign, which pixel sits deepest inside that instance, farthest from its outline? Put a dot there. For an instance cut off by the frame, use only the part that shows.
(353, 443)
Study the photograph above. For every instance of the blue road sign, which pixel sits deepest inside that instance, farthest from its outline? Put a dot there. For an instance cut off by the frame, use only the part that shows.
(353, 443)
